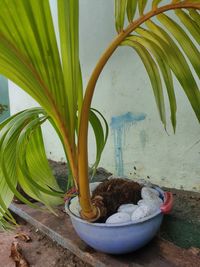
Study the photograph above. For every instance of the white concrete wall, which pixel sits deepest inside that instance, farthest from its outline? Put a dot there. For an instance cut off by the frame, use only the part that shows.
(137, 139)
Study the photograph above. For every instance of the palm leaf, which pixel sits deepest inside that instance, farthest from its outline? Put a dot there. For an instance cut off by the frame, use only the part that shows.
(21, 145)
(101, 135)
(32, 159)
(141, 6)
(153, 73)
(29, 56)
(68, 28)
(195, 16)
(131, 9)
(159, 47)
(176, 61)
(162, 62)
(120, 11)
(190, 24)
(155, 3)
(34, 42)
(184, 41)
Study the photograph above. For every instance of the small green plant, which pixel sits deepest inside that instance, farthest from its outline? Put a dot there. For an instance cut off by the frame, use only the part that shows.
(30, 57)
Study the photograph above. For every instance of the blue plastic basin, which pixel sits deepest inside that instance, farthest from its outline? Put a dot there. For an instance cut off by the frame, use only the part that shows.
(118, 238)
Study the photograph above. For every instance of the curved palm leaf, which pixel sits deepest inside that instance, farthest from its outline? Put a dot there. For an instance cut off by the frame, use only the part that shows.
(161, 60)
(157, 48)
(30, 57)
(153, 72)
(141, 6)
(190, 23)
(195, 16)
(101, 135)
(184, 41)
(131, 9)
(120, 9)
(23, 161)
(176, 61)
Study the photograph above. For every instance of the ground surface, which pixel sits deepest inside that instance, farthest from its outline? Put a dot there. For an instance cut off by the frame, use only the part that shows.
(40, 252)
(182, 226)
(186, 205)
(158, 253)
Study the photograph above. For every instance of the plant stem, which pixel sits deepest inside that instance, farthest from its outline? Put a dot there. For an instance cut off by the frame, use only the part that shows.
(88, 211)
(69, 151)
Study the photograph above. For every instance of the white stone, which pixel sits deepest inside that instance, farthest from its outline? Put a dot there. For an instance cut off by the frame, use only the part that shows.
(141, 212)
(93, 186)
(149, 193)
(128, 208)
(74, 206)
(154, 191)
(119, 217)
(157, 201)
(153, 205)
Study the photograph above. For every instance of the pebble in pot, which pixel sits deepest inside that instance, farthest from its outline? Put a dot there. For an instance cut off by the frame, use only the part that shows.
(119, 217)
(128, 208)
(149, 193)
(93, 186)
(150, 197)
(152, 204)
(149, 203)
(74, 206)
(141, 212)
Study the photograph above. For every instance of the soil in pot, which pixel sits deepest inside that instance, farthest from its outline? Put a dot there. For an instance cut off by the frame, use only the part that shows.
(111, 194)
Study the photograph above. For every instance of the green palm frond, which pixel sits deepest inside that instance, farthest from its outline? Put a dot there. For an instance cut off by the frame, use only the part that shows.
(161, 58)
(155, 3)
(23, 161)
(165, 46)
(30, 57)
(131, 9)
(153, 72)
(195, 16)
(101, 134)
(190, 24)
(141, 6)
(69, 31)
(120, 9)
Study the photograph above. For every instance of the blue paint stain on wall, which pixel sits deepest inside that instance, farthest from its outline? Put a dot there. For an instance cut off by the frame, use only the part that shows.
(4, 99)
(119, 124)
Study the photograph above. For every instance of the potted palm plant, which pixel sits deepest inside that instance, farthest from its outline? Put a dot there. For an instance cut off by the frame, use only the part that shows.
(49, 71)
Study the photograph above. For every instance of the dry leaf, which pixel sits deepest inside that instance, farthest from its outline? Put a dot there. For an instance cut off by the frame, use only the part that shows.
(23, 237)
(16, 255)
(194, 251)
